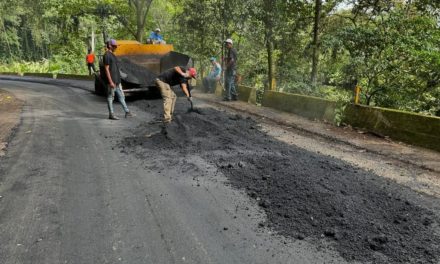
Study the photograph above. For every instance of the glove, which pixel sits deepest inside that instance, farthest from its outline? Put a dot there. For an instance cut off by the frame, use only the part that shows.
(190, 99)
(123, 74)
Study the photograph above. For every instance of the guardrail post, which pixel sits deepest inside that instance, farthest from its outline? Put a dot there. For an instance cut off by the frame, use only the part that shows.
(357, 91)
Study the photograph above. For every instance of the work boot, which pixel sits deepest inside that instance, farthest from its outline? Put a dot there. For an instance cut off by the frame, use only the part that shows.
(164, 129)
(128, 114)
(112, 117)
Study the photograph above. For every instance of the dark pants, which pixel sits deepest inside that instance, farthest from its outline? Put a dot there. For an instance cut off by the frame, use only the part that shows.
(231, 91)
(91, 66)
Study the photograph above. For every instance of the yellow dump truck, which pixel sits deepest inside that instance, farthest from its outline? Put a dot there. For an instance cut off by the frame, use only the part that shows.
(140, 64)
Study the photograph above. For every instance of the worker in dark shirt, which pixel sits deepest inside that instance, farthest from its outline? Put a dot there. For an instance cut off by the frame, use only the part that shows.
(174, 76)
(113, 80)
(230, 71)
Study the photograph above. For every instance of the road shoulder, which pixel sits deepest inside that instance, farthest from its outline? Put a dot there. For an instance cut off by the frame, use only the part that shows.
(363, 141)
(10, 110)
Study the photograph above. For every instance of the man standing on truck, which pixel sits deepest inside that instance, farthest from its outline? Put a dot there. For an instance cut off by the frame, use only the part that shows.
(90, 60)
(167, 79)
(155, 37)
(230, 71)
(112, 80)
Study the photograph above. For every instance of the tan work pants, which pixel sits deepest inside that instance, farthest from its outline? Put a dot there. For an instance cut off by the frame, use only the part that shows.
(169, 100)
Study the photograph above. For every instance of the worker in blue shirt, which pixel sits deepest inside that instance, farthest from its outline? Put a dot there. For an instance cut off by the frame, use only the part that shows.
(210, 82)
(155, 37)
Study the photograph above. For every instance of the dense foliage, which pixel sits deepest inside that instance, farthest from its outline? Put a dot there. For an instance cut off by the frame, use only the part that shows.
(390, 48)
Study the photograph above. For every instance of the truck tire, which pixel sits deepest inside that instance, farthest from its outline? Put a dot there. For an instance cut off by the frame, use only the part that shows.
(99, 87)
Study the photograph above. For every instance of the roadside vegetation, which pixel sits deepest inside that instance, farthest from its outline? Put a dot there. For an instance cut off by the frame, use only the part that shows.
(390, 48)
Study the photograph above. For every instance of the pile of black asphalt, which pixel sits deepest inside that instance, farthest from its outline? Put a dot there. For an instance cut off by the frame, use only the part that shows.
(306, 196)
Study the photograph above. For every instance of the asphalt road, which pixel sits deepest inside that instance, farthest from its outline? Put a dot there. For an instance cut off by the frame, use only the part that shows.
(76, 187)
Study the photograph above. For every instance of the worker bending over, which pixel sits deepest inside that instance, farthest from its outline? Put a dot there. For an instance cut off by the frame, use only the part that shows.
(167, 79)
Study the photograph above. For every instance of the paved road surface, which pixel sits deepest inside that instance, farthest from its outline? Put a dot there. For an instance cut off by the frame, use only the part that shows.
(71, 194)
(69, 197)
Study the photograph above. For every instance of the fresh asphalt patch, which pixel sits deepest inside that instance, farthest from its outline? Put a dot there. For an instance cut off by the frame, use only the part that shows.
(306, 196)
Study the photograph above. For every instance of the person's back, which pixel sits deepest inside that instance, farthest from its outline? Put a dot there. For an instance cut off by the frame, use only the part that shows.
(172, 77)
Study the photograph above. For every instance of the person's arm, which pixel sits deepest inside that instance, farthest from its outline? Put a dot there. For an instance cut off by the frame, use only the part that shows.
(109, 77)
(179, 71)
(107, 71)
(184, 87)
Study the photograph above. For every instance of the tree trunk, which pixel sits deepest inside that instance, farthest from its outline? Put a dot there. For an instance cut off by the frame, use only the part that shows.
(104, 33)
(270, 66)
(315, 43)
(7, 40)
(268, 22)
(139, 25)
(92, 42)
(142, 8)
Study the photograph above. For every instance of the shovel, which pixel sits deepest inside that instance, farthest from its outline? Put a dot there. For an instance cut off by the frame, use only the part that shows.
(192, 109)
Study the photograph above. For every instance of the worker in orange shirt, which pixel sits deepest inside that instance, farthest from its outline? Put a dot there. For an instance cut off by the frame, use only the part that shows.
(90, 59)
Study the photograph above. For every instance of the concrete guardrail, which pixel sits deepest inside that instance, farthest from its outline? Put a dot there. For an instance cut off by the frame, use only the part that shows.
(74, 76)
(11, 73)
(303, 105)
(55, 76)
(404, 126)
(245, 93)
(407, 127)
(36, 74)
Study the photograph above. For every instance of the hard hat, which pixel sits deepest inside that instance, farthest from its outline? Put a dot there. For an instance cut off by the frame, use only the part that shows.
(157, 29)
(228, 41)
(212, 59)
(192, 72)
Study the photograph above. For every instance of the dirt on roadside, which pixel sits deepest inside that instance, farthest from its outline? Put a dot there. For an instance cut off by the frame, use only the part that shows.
(10, 110)
(306, 196)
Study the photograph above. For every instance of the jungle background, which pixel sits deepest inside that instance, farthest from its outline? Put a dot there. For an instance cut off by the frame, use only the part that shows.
(389, 48)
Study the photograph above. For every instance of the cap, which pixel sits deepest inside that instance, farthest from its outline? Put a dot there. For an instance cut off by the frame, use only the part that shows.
(192, 72)
(212, 59)
(228, 41)
(112, 42)
(157, 29)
